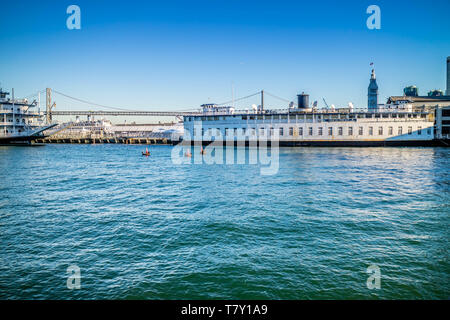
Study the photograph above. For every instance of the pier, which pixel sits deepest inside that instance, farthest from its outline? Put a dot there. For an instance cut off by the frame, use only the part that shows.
(101, 140)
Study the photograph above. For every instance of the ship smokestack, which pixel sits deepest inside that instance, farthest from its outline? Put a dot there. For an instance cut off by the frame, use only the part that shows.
(303, 101)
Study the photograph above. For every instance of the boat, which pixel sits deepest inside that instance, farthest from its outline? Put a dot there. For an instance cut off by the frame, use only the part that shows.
(20, 124)
(146, 153)
(398, 123)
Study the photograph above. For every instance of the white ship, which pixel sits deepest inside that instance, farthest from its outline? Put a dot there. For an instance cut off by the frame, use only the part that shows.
(20, 124)
(395, 124)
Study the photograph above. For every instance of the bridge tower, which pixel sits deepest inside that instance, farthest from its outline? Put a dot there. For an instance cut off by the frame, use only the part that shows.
(48, 105)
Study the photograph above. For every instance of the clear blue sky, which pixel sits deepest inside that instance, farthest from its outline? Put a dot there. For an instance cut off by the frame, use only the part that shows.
(179, 54)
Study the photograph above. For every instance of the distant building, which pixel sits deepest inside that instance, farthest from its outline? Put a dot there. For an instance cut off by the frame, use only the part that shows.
(442, 122)
(422, 101)
(435, 99)
(372, 101)
(435, 93)
(448, 77)
(411, 91)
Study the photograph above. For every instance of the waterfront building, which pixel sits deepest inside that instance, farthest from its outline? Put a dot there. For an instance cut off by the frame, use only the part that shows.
(372, 102)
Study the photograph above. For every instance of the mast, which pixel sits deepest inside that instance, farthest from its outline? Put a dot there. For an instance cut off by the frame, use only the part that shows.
(48, 105)
(232, 94)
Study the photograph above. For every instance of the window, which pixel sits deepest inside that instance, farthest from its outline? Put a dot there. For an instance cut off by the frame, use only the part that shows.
(409, 130)
(226, 131)
(419, 130)
(243, 131)
(370, 131)
(310, 129)
(300, 131)
(390, 131)
(350, 131)
(320, 131)
(253, 132)
(281, 131)
(203, 131)
(428, 131)
(235, 131)
(261, 131)
(340, 131)
(360, 131)
(400, 131)
(330, 131)
(380, 131)
(291, 131)
(271, 131)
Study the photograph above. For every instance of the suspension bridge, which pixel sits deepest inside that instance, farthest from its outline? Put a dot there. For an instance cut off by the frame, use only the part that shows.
(50, 106)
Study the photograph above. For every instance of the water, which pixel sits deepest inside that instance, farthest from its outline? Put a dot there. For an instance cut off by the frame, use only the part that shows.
(144, 228)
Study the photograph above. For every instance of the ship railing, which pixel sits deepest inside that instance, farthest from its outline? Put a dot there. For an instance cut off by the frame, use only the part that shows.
(310, 110)
(28, 113)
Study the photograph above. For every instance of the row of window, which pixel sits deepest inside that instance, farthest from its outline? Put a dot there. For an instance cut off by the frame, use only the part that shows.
(17, 120)
(9, 109)
(310, 132)
(11, 131)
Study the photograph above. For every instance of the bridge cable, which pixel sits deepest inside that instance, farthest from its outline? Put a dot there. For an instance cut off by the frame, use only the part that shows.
(91, 103)
(276, 97)
(108, 107)
(239, 99)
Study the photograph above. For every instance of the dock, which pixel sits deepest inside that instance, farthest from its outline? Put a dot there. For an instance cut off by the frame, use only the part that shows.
(157, 141)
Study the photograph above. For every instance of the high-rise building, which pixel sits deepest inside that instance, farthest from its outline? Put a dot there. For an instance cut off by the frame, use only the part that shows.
(372, 101)
(447, 92)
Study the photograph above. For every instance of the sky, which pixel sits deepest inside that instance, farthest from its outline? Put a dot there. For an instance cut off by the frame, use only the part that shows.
(176, 55)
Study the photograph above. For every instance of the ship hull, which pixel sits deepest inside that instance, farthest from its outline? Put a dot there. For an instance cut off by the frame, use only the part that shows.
(18, 141)
(354, 143)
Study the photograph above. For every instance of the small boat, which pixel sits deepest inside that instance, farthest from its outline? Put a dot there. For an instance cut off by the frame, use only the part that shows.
(146, 153)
